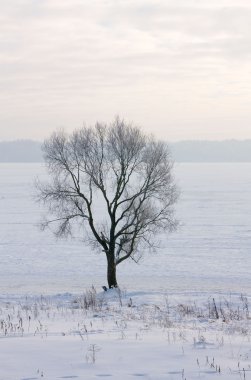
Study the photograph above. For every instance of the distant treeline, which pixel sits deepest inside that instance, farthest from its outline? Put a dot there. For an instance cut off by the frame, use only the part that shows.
(182, 151)
(212, 151)
(20, 151)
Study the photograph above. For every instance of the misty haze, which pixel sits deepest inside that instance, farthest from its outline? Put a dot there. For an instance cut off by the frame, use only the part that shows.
(182, 151)
(125, 189)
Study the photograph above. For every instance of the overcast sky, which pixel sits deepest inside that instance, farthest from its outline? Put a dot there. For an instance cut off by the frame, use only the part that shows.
(178, 68)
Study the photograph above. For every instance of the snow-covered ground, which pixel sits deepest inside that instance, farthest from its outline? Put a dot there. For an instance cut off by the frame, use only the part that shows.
(210, 252)
(125, 336)
(182, 313)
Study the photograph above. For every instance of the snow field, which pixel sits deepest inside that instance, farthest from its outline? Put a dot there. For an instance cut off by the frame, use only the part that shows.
(210, 252)
(123, 335)
(168, 327)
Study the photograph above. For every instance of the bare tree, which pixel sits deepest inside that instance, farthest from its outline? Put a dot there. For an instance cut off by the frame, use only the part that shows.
(131, 173)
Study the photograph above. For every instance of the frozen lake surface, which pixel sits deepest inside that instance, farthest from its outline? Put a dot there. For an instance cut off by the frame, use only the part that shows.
(211, 251)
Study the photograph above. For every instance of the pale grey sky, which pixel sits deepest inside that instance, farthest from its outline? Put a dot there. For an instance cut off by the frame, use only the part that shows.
(179, 68)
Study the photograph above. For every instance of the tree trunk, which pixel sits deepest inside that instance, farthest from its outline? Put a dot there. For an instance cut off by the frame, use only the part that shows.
(111, 271)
